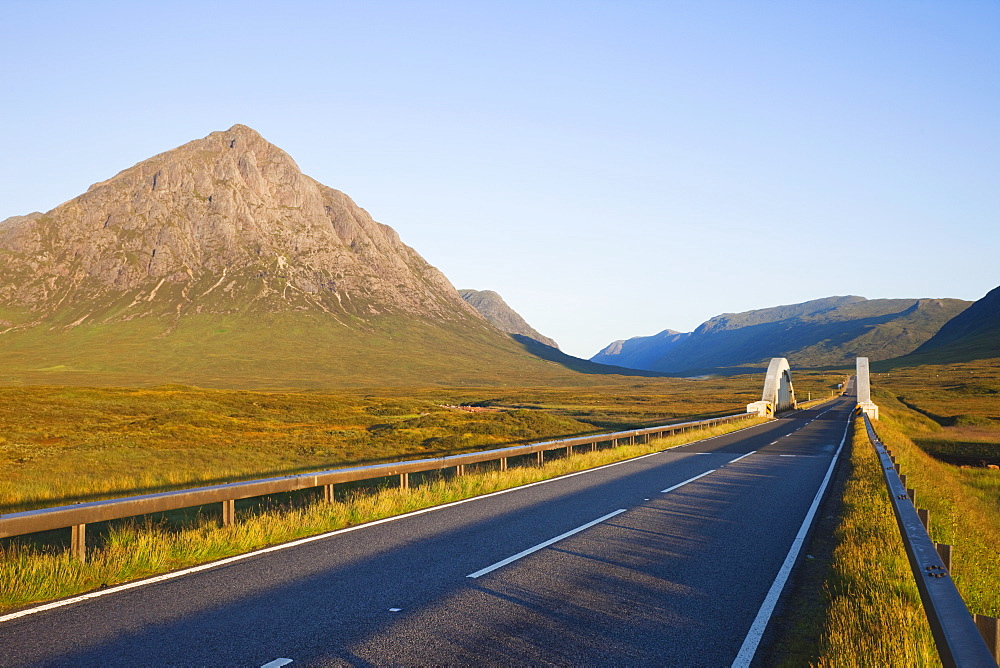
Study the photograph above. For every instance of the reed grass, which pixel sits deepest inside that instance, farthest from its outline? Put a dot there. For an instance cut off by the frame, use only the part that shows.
(141, 547)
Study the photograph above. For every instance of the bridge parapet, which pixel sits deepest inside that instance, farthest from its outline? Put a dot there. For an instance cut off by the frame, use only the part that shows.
(865, 390)
(779, 393)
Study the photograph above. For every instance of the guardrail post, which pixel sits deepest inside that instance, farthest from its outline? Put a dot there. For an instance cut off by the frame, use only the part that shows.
(541, 457)
(78, 541)
(912, 493)
(228, 512)
(902, 479)
(503, 463)
(989, 628)
(404, 481)
(593, 446)
(328, 493)
(925, 518)
(569, 450)
(944, 551)
(460, 469)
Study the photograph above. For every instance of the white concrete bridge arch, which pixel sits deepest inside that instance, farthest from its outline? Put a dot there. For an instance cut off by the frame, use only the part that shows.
(779, 393)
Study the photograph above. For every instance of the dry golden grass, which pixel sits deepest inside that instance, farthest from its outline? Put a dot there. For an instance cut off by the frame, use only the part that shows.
(964, 505)
(136, 549)
(874, 614)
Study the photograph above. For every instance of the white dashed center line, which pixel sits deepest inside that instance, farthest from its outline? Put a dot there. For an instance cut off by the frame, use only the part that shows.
(538, 547)
(681, 484)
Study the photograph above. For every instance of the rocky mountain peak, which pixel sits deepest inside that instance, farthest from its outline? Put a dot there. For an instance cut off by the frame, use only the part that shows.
(223, 224)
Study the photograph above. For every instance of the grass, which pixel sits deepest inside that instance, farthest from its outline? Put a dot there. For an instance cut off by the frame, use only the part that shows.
(960, 404)
(868, 612)
(930, 416)
(937, 416)
(60, 445)
(964, 505)
(134, 549)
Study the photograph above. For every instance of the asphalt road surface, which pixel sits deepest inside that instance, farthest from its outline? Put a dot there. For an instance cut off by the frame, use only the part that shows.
(662, 560)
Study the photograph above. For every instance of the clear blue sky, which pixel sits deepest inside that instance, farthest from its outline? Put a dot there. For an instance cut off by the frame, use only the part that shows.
(611, 168)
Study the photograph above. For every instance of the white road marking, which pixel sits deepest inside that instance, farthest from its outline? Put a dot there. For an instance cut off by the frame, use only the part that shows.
(756, 632)
(277, 663)
(395, 609)
(702, 453)
(681, 484)
(742, 456)
(536, 548)
(786, 455)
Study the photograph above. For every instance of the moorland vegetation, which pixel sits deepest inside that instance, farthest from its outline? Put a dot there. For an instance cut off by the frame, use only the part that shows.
(942, 423)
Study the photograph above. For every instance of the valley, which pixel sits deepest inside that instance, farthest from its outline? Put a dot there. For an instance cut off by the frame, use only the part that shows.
(213, 315)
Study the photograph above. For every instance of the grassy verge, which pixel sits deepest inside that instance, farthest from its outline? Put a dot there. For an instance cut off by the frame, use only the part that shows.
(137, 549)
(964, 505)
(867, 611)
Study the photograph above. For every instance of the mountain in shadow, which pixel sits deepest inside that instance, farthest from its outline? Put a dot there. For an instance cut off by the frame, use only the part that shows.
(827, 332)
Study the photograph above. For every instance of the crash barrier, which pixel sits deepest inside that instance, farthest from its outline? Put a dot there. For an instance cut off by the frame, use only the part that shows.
(76, 517)
(961, 640)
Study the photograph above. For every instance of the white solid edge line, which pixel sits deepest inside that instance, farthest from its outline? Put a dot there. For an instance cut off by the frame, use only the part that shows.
(302, 541)
(742, 456)
(277, 663)
(756, 632)
(681, 484)
(536, 548)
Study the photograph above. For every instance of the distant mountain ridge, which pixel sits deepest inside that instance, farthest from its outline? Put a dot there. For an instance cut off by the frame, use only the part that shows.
(972, 334)
(824, 332)
(499, 314)
(640, 352)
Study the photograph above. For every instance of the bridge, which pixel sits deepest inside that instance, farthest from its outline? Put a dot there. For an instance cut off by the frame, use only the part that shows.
(779, 393)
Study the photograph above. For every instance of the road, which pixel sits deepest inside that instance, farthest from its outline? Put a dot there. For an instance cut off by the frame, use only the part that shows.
(669, 560)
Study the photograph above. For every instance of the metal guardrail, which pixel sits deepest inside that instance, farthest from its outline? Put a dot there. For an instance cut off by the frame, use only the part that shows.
(958, 640)
(77, 516)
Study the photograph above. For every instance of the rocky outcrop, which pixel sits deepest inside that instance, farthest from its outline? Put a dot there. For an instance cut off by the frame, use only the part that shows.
(499, 314)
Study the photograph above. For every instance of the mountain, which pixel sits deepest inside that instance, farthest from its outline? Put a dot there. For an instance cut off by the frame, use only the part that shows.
(496, 311)
(823, 332)
(639, 352)
(972, 334)
(220, 263)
